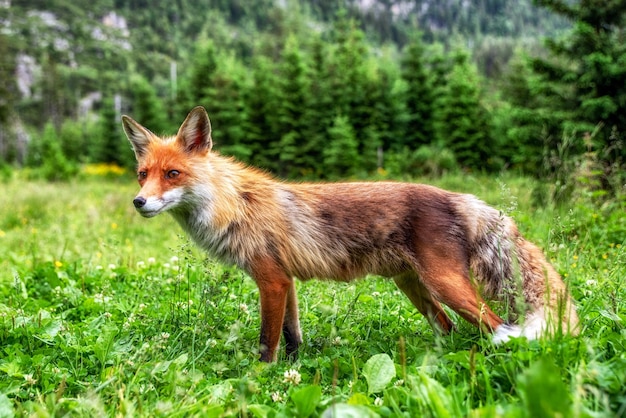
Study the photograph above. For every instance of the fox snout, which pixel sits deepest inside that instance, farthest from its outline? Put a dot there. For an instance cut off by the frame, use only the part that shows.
(149, 205)
(139, 202)
(144, 208)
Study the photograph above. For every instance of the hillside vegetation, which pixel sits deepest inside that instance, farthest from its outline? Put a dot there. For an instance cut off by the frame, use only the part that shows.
(407, 87)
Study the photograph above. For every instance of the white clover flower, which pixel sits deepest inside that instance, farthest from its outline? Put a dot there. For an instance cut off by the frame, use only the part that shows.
(292, 376)
(129, 321)
(29, 379)
(112, 266)
(141, 265)
(277, 397)
(174, 260)
(151, 260)
(165, 335)
(100, 298)
(244, 308)
(378, 401)
(375, 294)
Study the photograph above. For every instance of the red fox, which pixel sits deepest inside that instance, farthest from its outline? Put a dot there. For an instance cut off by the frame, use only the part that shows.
(437, 246)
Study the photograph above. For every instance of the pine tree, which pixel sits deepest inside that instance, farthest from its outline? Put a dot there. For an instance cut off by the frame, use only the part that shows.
(420, 98)
(341, 154)
(47, 158)
(146, 106)
(261, 103)
(8, 152)
(353, 90)
(196, 81)
(72, 136)
(387, 94)
(525, 123)
(224, 100)
(461, 119)
(586, 72)
(110, 145)
(291, 150)
(322, 103)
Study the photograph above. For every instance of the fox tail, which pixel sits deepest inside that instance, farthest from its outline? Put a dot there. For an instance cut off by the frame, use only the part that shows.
(549, 309)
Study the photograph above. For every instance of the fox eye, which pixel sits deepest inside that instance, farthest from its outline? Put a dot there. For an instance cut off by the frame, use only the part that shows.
(172, 174)
(142, 175)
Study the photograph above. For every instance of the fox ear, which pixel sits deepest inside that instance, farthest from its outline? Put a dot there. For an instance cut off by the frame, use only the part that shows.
(138, 136)
(195, 132)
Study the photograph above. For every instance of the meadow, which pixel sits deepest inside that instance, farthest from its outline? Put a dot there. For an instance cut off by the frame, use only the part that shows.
(104, 313)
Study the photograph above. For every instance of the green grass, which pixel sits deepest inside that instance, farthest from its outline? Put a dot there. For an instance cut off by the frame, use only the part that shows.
(104, 313)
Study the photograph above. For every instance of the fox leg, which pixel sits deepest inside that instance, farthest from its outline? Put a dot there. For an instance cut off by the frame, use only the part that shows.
(447, 278)
(422, 299)
(274, 288)
(291, 323)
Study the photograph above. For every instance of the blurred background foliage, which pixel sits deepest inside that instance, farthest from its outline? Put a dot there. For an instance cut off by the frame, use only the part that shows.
(322, 89)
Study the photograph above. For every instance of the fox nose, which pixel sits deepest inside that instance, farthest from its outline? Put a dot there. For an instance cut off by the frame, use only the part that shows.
(139, 202)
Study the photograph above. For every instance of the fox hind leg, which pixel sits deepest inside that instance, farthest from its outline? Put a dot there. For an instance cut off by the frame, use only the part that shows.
(447, 279)
(410, 284)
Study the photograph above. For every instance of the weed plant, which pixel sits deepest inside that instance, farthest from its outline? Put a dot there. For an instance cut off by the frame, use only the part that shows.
(104, 313)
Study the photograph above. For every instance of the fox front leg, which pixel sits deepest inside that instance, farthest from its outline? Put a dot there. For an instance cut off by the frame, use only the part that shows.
(274, 287)
(291, 323)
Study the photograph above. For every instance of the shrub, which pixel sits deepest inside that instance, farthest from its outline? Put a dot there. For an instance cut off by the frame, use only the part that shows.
(427, 160)
(47, 159)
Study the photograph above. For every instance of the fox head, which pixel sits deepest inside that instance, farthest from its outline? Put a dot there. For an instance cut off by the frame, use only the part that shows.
(165, 165)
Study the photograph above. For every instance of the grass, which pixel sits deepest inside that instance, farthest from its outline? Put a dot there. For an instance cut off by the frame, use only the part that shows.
(104, 313)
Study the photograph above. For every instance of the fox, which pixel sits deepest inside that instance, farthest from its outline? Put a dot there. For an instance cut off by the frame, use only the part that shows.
(439, 247)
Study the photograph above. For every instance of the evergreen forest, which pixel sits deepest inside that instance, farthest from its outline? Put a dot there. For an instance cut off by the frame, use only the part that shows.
(321, 89)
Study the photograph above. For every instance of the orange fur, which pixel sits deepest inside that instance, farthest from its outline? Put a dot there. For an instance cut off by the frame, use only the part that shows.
(434, 243)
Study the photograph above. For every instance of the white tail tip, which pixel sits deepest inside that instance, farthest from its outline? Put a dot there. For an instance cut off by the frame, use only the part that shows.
(504, 333)
(534, 327)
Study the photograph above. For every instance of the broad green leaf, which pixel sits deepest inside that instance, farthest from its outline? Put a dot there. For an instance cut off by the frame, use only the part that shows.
(181, 360)
(358, 399)
(11, 368)
(343, 410)
(378, 371)
(433, 396)
(104, 342)
(6, 407)
(261, 411)
(220, 391)
(50, 330)
(543, 391)
(306, 399)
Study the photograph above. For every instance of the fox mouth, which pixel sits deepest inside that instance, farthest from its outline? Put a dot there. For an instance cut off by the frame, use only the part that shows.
(152, 206)
(148, 213)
